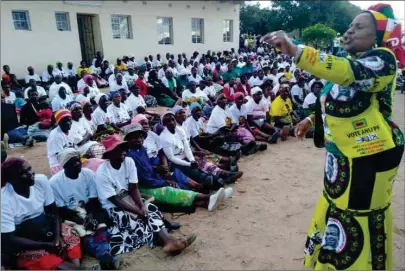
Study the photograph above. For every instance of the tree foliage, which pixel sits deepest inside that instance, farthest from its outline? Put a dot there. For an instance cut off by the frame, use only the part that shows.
(291, 15)
(318, 35)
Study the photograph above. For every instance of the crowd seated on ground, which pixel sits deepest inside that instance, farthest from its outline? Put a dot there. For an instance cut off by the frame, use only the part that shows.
(100, 123)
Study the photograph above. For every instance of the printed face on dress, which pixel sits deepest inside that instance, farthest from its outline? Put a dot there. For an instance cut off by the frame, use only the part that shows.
(62, 92)
(331, 236)
(361, 35)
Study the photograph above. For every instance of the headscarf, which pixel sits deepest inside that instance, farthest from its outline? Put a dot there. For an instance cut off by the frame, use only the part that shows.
(10, 169)
(73, 105)
(87, 77)
(194, 106)
(138, 118)
(255, 90)
(61, 114)
(219, 97)
(389, 33)
(238, 94)
(165, 114)
(112, 93)
(98, 98)
(176, 109)
(66, 155)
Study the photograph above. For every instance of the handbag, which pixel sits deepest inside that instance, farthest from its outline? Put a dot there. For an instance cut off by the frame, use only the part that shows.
(40, 228)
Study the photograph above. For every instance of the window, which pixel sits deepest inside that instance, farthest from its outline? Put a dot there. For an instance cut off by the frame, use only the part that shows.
(165, 30)
(121, 27)
(21, 20)
(197, 30)
(62, 21)
(228, 30)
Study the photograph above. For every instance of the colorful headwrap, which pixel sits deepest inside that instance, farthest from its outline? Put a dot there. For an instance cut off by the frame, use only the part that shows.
(11, 169)
(61, 114)
(98, 98)
(73, 105)
(238, 94)
(389, 32)
(87, 77)
(66, 155)
(112, 93)
(176, 109)
(194, 106)
(138, 118)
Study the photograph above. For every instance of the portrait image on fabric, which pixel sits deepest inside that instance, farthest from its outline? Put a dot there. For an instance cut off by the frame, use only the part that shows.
(334, 238)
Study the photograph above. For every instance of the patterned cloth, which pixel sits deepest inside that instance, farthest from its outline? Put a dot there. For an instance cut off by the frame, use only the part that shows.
(128, 234)
(171, 195)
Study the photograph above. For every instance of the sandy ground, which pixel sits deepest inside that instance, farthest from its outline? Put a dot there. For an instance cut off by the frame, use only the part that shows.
(263, 228)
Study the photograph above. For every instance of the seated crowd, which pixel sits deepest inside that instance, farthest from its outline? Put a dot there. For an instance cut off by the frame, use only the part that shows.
(116, 164)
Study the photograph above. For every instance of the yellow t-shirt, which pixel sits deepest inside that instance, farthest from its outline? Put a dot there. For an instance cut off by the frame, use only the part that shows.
(288, 75)
(281, 108)
(80, 69)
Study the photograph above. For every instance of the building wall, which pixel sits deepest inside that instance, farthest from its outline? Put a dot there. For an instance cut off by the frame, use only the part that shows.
(44, 44)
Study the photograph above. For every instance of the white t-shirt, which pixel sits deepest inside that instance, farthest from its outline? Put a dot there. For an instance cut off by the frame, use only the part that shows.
(111, 79)
(114, 86)
(161, 74)
(111, 181)
(236, 113)
(336, 42)
(56, 143)
(217, 119)
(79, 129)
(297, 91)
(309, 99)
(165, 82)
(254, 109)
(198, 93)
(59, 103)
(195, 79)
(129, 77)
(95, 70)
(10, 99)
(152, 144)
(68, 192)
(15, 209)
(132, 102)
(46, 77)
(175, 148)
(34, 76)
(194, 127)
(54, 89)
(56, 72)
(70, 72)
(210, 91)
(256, 81)
(118, 114)
(100, 117)
(174, 71)
(273, 78)
(41, 92)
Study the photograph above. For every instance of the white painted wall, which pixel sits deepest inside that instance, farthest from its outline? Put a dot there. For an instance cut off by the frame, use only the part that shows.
(44, 44)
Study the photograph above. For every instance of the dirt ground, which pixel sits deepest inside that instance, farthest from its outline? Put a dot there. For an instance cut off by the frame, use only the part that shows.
(263, 228)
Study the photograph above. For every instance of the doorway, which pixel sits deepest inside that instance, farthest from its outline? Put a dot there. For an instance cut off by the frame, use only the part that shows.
(89, 36)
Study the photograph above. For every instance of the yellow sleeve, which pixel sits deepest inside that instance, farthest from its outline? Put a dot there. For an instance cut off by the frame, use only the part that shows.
(371, 72)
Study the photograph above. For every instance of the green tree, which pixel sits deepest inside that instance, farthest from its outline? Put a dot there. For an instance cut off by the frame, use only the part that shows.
(319, 35)
(256, 20)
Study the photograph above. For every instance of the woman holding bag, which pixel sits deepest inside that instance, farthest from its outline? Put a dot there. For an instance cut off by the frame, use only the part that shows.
(352, 225)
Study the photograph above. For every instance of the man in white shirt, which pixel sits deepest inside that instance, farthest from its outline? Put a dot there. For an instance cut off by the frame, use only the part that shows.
(172, 68)
(258, 81)
(31, 75)
(156, 63)
(241, 63)
(162, 71)
(130, 75)
(132, 62)
(47, 76)
(310, 99)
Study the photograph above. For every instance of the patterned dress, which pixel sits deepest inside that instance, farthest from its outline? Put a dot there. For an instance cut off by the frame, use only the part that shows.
(352, 225)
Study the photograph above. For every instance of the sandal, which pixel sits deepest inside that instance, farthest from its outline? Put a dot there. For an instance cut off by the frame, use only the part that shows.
(178, 246)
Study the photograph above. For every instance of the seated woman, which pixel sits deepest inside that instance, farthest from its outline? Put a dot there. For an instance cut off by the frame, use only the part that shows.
(134, 222)
(102, 119)
(238, 114)
(96, 73)
(194, 77)
(220, 124)
(75, 193)
(163, 95)
(54, 88)
(158, 158)
(81, 133)
(143, 90)
(58, 139)
(93, 89)
(119, 83)
(200, 154)
(170, 82)
(256, 109)
(84, 94)
(136, 104)
(130, 76)
(33, 85)
(118, 111)
(31, 231)
(193, 94)
(8, 96)
(243, 86)
(177, 150)
(60, 100)
(282, 112)
(37, 116)
(47, 77)
(229, 90)
(83, 67)
(165, 190)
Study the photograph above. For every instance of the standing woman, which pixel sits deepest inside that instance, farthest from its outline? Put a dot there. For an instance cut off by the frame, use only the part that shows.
(352, 225)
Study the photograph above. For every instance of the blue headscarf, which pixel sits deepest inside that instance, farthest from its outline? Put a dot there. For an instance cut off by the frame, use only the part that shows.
(194, 105)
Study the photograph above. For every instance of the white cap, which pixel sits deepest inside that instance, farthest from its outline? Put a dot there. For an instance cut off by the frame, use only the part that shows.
(255, 90)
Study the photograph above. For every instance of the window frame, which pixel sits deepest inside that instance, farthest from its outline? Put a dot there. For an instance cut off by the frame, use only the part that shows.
(194, 38)
(27, 16)
(122, 36)
(160, 31)
(69, 28)
(227, 37)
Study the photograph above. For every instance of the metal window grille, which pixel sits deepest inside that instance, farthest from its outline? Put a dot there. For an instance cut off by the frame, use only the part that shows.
(165, 30)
